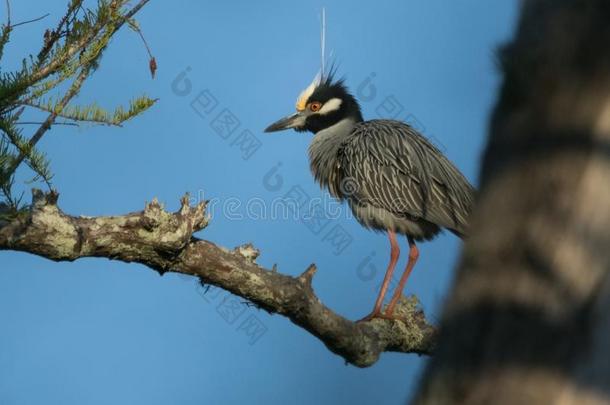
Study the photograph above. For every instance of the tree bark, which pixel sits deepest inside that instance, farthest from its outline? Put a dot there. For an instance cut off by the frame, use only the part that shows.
(163, 241)
(528, 319)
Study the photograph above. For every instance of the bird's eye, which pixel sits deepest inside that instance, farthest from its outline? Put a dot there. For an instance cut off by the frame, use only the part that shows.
(315, 106)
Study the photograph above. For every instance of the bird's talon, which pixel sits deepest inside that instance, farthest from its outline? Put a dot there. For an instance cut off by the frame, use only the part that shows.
(370, 317)
(381, 315)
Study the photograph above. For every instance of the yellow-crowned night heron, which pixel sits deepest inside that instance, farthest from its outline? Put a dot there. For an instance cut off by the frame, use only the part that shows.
(392, 177)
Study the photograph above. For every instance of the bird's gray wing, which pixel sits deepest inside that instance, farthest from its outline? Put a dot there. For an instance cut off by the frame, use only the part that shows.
(390, 165)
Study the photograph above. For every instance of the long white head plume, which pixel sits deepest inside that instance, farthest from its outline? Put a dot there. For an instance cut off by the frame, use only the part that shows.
(323, 42)
(321, 76)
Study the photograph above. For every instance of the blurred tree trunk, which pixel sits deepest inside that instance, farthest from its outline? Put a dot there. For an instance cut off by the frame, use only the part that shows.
(528, 320)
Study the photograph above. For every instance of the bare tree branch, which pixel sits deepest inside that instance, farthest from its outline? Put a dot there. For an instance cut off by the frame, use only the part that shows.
(163, 241)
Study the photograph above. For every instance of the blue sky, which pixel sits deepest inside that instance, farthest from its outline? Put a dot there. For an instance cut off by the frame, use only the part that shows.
(97, 331)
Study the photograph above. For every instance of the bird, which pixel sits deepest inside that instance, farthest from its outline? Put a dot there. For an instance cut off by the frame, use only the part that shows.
(391, 176)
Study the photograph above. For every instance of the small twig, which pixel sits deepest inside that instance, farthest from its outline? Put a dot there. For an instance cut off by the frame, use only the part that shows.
(74, 124)
(152, 61)
(8, 13)
(139, 31)
(30, 21)
(18, 113)
(133, 11)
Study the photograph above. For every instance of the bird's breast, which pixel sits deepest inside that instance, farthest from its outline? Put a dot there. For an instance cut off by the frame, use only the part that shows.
(326, 171)
(324, 156)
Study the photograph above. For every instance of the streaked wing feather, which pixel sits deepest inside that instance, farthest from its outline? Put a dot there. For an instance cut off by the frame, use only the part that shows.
(399, 170)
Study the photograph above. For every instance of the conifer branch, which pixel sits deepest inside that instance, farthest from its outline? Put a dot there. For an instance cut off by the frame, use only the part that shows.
(46, 125)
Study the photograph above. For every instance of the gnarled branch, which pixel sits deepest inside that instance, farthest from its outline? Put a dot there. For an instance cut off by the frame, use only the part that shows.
(163, 241)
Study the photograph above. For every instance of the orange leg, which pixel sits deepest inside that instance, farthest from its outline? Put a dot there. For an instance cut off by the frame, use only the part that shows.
(394, 253)
(413, 256)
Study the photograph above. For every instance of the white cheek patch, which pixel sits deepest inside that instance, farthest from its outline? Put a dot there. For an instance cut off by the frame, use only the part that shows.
(331, 105)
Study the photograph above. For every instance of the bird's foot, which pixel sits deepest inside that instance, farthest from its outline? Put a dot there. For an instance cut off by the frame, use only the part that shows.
(380, 315)
(391, 317)
(371, 316)
(377, 314)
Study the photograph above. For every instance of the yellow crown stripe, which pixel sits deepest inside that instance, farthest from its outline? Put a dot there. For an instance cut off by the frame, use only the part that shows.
(301, 104)
(305, 94)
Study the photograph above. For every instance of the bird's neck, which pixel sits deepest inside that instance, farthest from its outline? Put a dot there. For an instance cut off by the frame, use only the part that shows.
(324, 149)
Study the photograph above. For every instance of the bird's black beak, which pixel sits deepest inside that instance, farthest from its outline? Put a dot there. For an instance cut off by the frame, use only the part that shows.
(296, 120)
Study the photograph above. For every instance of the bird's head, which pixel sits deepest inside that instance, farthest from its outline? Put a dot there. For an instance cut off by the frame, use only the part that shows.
(322, 104)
